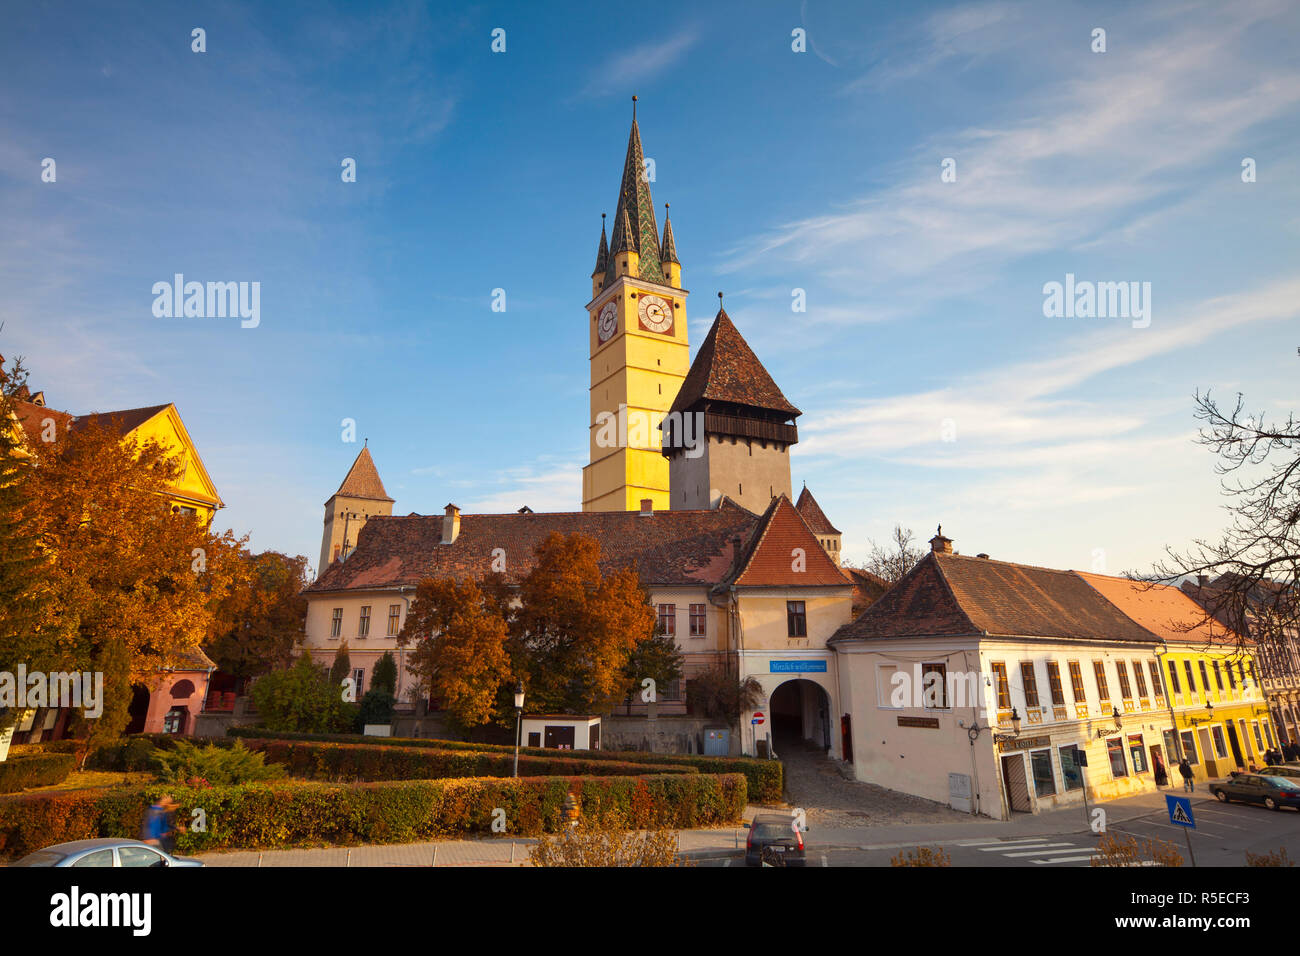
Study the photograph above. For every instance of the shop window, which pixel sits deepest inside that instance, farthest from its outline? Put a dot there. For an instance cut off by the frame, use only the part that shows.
(1044, 780)
(1115, 752)
(1138, 753)
(1071, 769)
(1189, 747)
(1220, 744)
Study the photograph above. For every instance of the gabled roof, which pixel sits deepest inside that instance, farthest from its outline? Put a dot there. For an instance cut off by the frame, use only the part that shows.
(813, 514)
(362, 480)
(665, 548)
(951, 595)
(770, 558)
(642, 232)
(1165, 611)
(32, 417)
(727, 370)
(125, 421)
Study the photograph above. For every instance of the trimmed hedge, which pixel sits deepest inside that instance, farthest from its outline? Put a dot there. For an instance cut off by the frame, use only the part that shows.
(262, 816)
(25, 770)
(317, 760)
(765, 778)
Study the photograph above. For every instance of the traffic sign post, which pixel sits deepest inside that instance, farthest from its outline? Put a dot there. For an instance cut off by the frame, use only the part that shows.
(753, 731)
(1180, 815)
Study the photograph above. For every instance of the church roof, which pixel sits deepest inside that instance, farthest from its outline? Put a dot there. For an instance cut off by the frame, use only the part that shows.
(666, 547)
(362, 480)
(602, 251)
(727, 370)
(634, 202)
(813, 514)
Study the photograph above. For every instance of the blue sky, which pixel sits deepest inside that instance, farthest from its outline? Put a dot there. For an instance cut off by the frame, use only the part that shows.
(817, 171)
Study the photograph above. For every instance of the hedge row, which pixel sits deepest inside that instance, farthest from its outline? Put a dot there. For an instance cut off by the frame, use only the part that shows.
(765, 778)
(25, 770)
(317, 760)
(263, 816)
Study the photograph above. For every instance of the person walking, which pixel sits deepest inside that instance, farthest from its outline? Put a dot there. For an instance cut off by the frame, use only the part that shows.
(1185, 769)
(1162, 775)
(160, 824)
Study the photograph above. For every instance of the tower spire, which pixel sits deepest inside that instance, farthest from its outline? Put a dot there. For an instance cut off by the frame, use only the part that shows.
(635, 201)
(668, 248)
(602, 252)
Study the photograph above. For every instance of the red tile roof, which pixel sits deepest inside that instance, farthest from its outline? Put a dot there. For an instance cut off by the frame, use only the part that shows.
(124, 421)
(362, 480)
(727, 370)
(32, 418)
(955, 595)
(1165, 611)
(666, 547)
(812, 513)
(771, 558)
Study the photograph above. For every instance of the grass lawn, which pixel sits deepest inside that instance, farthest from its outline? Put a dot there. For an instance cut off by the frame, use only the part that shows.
(95, 779)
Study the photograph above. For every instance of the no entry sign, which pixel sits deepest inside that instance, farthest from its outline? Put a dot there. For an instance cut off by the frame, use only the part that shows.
(758, 718)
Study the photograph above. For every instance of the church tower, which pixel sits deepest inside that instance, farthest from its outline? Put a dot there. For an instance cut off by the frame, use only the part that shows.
(361, 496)
(638, 348)
(730, 429)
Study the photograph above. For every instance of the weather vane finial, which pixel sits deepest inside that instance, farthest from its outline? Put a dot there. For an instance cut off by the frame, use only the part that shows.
(633, 107)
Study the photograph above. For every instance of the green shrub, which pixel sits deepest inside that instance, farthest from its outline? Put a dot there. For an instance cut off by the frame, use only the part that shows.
(765, 778)
(303, 698)
(213, 765)
(130, 754)
(376, 707)
(25, 770)
(290, 813)
(315, 760)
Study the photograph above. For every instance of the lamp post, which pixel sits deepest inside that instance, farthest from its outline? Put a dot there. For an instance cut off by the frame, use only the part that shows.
(519, 714)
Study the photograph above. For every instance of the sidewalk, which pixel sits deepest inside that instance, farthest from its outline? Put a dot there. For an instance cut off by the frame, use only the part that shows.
(710, 844)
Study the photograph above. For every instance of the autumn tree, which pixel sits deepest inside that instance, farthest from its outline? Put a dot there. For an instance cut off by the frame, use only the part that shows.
(576, 628)
(461, 656)
(133, 578)
(258, 620)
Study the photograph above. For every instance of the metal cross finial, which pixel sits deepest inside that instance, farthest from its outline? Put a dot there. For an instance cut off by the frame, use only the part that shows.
(633, 107)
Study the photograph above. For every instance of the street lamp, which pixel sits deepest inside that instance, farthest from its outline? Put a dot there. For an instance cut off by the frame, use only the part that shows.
(519, 713)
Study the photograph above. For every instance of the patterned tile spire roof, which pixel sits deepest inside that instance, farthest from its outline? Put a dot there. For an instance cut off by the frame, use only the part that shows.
(602, 252)
(668, 248)
(362, 480)
(623, 237)
(635, 203)
(727, 370)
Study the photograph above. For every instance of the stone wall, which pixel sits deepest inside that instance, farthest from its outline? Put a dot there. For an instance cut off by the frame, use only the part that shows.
(664, 735)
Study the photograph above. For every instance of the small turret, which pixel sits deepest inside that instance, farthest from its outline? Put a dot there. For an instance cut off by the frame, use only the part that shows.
(602, 261)
(668, 254)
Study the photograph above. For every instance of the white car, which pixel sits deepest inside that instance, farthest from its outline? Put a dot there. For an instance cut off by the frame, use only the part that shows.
(106, 851)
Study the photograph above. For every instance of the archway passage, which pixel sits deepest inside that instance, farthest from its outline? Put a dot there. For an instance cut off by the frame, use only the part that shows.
(138, 710)
(800, 714)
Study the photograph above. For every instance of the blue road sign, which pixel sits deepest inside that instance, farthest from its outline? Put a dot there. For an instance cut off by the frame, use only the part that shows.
(1180, 811)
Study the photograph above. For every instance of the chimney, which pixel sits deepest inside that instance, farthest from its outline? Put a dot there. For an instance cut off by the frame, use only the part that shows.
(451, 525)
(982, 555)
(939, 544)
(647, 507)
(1202, 580)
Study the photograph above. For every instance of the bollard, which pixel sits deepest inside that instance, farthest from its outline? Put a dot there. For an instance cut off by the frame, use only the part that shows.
(512, 852)
(349, 862)
(259, 861)
(435, 855)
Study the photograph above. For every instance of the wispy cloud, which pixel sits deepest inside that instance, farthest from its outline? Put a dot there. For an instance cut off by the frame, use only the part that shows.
(621, 71)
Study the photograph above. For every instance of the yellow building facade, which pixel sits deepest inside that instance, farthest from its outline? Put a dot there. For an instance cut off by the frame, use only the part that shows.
(639, 355)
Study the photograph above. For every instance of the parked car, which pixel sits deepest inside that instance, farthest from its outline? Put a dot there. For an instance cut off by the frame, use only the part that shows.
(1281, 770)
(1272, 791)
(774, 839)
(104, 852)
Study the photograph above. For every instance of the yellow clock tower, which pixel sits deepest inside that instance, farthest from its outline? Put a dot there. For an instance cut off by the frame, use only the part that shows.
(639, 353)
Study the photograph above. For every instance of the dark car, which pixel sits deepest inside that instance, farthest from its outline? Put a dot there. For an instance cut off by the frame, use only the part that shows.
(1281, 770)
(1273, 792)
(774, 839)
(104, 852)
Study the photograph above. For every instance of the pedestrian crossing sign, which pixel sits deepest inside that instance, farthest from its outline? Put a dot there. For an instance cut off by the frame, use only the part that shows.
(1180, 811)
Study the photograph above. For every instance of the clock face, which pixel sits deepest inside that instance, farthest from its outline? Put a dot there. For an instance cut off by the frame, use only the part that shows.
(656, 313)
(608, 322)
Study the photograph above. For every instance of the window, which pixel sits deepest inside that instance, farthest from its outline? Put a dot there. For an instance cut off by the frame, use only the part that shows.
(1115, 751)
(796, 619)
(1071, 770)
(1138, 753)
(1171, 746)
(1000, 682)
(1218, 677)
(1031, 684)
(1054, 682)
(1076, 685)
(1189, 745)
(699, 620)
(139, 856)
(668, 618)
(934, 685)
(1205, 679)
(672, 690)
(336, 625)
(1191, 679)
(885, 685)
(363, 627)
(358, 680)
(1173, 678)
(1232, 681)
(1220, 745)
(1268, 731)
(1258, 739)
(394, 618)
(1156, 688)
(1125, 691)
(1044, 781)
(1099, 671)
(98, 858)
(1140, 678)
